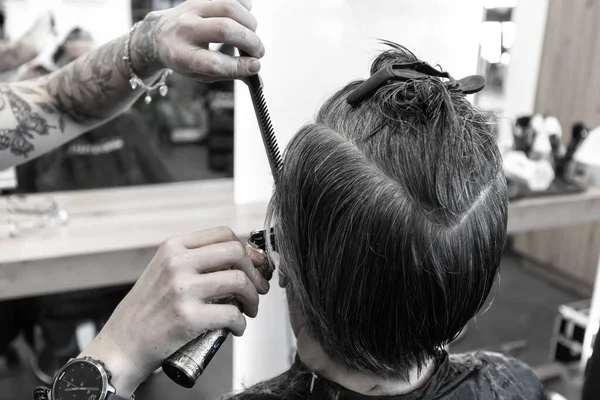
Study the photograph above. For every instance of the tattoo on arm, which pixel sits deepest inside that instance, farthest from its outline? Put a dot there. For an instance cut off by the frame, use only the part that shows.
(144, 54)
(79, 93)
(86, 90)
(83, 92)
(95, 86)
(74, 99)
(29, 123)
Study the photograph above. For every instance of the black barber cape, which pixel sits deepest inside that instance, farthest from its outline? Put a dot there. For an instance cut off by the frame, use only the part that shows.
(478, 375)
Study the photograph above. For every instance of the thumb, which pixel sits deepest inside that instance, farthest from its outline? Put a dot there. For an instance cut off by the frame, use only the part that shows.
(258, 260)
(241, 67)
(257, 256)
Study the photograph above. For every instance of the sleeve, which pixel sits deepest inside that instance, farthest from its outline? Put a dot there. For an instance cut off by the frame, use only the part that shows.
(513, 376)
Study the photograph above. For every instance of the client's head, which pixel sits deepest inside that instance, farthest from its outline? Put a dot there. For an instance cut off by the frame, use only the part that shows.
(390, 221)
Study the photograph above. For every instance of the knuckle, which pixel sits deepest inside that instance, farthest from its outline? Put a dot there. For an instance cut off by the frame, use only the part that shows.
(228, 7)
(236, 249)
(241, 280)
(184, 315)
(236, 317)
(225, 232)
(169, 265)
(223, 29)
(184, 23)
(198, 6)
(209, 65)
(168, 245)
(165, 243)
(181, 20)
(153, 15)
(214, 67)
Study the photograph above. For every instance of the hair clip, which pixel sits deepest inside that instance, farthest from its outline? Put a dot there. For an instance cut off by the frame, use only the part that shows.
(406, 72)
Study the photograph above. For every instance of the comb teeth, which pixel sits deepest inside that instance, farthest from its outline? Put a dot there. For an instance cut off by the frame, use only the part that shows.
(264, 122)
(266, 129)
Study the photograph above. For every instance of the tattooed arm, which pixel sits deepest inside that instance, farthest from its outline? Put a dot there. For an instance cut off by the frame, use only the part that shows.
(37, 116)
(13, 55)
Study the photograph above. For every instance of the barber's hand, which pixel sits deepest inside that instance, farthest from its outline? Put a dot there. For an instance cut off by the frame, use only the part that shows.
(178, 39)
(169, 304)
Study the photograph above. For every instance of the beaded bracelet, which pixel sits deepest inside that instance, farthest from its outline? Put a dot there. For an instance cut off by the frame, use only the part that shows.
(135, 81)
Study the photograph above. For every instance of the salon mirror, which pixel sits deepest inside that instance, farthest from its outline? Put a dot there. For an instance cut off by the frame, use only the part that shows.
(185, 136)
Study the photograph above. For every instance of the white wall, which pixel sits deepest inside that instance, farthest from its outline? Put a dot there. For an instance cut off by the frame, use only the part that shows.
(314, 47)
(523, 70)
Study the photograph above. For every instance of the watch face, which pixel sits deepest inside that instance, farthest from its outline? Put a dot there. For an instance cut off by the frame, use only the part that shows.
(79, 380)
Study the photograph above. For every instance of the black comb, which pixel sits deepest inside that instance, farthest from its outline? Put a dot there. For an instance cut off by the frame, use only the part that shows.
(264, 122)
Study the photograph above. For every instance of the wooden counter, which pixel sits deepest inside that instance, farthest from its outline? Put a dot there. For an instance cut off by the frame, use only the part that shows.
(112, 234)
(104, 221)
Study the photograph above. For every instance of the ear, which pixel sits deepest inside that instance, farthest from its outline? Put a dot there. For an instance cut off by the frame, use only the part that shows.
(284, 281)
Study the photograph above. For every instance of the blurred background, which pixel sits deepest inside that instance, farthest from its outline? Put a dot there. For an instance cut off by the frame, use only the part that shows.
(194, 159)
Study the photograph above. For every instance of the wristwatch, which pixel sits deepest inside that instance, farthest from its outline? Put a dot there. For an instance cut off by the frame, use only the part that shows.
(84, 379)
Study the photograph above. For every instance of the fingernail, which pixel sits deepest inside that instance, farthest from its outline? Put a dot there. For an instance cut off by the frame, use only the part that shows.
(265, 285)
(254, 66)
(260, 256)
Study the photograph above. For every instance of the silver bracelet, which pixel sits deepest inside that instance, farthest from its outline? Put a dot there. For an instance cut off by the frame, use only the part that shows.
(135, 81)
